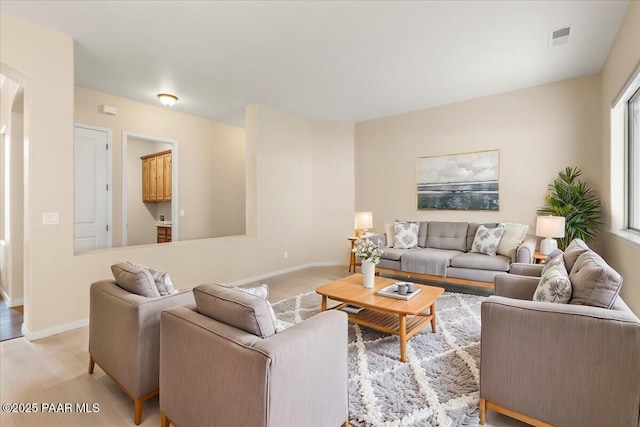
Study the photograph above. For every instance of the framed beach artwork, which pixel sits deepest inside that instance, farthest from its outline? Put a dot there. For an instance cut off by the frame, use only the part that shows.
(467, 181)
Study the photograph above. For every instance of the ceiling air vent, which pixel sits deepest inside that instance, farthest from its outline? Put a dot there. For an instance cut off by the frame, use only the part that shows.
(560, 36)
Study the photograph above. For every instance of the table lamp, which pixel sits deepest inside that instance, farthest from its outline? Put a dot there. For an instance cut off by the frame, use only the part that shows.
(549, 227)
(363, 222)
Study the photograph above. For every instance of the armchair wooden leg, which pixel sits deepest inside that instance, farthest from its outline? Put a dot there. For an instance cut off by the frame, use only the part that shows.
(92, 363)
(137, 411)
(164, 421)
(483, 410)
(345, 424)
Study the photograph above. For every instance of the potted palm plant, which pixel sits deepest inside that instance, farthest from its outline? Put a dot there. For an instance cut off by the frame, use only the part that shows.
(577, 203)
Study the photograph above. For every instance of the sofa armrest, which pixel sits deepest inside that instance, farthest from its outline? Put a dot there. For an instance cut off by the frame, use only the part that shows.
(526, 269)
(526, 249)
(515, 286)
(562, 364)
(124, 333)
(378, 239)
(310, 358)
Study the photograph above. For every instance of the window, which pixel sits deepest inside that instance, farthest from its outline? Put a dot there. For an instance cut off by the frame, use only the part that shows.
(633, 156)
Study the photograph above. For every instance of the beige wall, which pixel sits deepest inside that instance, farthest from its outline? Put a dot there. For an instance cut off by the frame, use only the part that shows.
(539, 131)
(211, 164)
(623, 59)
(279, 191)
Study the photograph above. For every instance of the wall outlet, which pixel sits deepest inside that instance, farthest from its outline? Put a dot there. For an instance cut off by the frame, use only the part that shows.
(50, 218)
(286, 254)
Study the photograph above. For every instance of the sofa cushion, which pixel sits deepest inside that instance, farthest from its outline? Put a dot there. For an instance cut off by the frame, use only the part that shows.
(594, 282)
(134, 279)
(487, 240)
(471, 234)
(395, 253)
(447, 235)
(262, 291)
(406, 234)
(554, 285)
(238, 309)
(512, 238)
(576, 248)
(422, 234)
(481, 262)
(428, 261)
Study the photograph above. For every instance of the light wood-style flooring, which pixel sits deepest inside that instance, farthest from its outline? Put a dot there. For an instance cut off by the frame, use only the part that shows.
(54, 370)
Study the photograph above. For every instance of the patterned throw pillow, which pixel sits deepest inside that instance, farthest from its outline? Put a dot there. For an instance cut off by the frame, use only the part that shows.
(487, 240)
(162, 280)
(406, 234)
(554, 285)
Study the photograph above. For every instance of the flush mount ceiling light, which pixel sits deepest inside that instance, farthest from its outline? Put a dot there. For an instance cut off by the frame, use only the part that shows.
(167, 99)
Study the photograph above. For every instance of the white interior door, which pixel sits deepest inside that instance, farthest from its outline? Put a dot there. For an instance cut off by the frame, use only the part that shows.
(92, 189)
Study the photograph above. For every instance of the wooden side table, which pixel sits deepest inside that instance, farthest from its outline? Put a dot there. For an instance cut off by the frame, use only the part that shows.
(352, 258)
(538, 258)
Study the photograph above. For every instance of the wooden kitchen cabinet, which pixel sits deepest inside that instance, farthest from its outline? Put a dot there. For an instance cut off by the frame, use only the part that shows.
(156, 177)
(164, 234)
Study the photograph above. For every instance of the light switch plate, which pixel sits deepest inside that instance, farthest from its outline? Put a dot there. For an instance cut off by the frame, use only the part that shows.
(181, 212)
(50, 218)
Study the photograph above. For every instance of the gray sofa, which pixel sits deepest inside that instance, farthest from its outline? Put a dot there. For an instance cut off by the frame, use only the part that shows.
(222, 364)
(443, 254)
(575, 364)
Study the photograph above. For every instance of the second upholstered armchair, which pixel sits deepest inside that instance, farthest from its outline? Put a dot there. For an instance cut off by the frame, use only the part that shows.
(222, 364)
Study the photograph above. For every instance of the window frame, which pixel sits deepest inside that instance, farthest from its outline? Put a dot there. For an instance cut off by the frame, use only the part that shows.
(632, 162)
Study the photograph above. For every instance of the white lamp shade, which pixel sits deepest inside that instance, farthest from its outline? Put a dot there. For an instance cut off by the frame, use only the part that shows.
(364, 220)
(550, 226)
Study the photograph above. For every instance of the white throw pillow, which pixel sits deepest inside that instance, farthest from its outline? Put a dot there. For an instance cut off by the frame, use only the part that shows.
(487, 240)
(554, 285)
(406, 234)
(512, 238)
(389, 230)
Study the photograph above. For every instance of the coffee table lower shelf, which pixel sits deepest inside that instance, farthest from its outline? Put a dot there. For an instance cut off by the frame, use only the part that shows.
(405, 326)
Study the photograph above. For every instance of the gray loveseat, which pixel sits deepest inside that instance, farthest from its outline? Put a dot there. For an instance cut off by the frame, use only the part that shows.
(443, 254)
(571, 365)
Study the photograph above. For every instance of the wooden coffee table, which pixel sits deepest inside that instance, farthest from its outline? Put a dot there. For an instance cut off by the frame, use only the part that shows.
(390, 315)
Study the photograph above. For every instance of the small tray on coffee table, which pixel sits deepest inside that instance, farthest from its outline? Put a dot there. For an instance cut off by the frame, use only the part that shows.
(391, 291)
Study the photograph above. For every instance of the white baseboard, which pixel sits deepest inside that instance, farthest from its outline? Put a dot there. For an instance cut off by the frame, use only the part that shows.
(32, 336)
(11, 302)
(284, 271)
(15, 302)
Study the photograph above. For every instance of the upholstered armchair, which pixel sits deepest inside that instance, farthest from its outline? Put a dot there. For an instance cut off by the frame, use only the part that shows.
(558, 364)
(222, 364)
(124, 338)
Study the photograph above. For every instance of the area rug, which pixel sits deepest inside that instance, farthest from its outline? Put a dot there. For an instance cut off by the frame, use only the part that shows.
(437, 386)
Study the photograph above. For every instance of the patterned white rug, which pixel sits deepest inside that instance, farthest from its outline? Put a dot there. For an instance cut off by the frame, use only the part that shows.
(437, 386)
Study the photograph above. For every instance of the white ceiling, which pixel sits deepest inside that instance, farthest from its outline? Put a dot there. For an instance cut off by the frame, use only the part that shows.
(345, 61)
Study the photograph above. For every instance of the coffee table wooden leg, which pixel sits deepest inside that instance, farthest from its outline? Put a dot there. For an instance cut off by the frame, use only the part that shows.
(323, 307)
(432, 309)
(403, 337)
